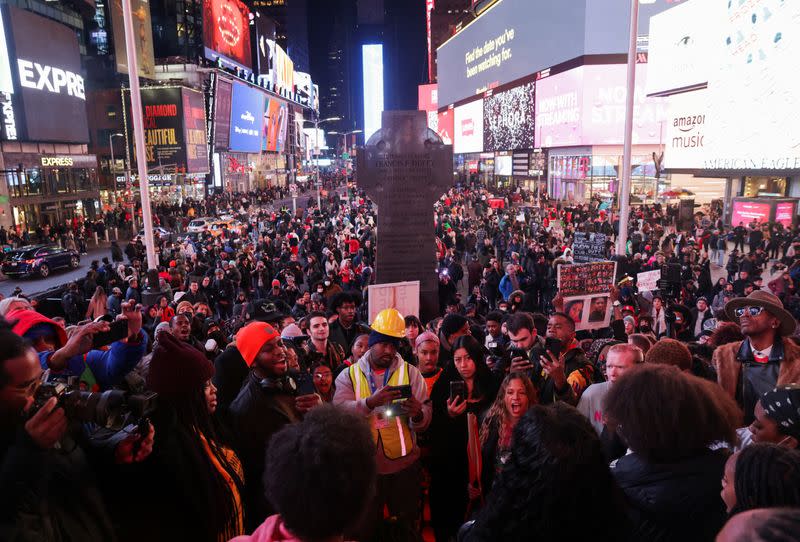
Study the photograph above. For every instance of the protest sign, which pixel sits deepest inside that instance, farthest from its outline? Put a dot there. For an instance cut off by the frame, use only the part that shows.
(589, 247)
(403, 296)
(646, 282)
(586, 289)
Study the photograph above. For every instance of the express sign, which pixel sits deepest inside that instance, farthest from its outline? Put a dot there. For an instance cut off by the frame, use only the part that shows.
(41, 87)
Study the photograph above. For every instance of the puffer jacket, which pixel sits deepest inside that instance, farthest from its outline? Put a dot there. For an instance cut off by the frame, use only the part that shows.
(678, 501)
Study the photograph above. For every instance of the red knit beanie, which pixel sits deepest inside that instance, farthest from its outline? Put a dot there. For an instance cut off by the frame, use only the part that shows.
(177, 367)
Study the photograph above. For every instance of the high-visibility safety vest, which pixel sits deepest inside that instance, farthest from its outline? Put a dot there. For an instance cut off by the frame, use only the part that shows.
(389, 430)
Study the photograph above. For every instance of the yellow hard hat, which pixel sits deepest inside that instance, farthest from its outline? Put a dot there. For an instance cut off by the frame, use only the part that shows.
(390, 322)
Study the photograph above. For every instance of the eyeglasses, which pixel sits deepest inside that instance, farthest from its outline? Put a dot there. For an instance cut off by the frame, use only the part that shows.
(752, 311)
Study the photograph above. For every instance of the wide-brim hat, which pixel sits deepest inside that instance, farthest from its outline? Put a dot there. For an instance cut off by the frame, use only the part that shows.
(771, 304)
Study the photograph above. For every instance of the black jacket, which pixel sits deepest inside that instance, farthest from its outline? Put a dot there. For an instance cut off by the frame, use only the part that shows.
(257, 414)
(230, 372)
(678, 501)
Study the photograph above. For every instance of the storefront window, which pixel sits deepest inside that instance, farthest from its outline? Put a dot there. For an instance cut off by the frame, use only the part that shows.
(582, 177)
(764, 186)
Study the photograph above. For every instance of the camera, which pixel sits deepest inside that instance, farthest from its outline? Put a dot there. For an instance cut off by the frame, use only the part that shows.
(111, 409)
(670, 282)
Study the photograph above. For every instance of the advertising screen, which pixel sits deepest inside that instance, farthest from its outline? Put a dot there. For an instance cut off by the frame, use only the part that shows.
(686, 143)
(504, 165)
(468, 127)
(247, 118)
(222, 114)
(508, 120)
(746, 211)
(42, 85)
(429, 102)
(282, 70)
(784, 213)
(586, 106)
(143, 37)
(372, 64)
(276, 119)
(226, 33)
(515, 38)
(194, 125)
(163, 128)
(304, 88)
(444, 126)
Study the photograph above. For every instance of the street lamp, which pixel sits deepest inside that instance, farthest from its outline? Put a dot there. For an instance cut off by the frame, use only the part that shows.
(113, 168)
(317, 122)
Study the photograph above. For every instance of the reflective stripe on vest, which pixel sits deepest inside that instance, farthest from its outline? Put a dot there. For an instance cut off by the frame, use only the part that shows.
(390, 431)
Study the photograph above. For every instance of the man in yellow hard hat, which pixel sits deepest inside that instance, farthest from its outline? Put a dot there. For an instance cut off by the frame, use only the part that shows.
(393, 395)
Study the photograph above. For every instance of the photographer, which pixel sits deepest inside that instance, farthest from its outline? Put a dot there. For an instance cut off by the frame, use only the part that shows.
(49, 490)
(96, 369)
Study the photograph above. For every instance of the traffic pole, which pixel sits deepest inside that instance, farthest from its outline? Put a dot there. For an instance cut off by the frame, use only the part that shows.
(138, 136)
(625, 187)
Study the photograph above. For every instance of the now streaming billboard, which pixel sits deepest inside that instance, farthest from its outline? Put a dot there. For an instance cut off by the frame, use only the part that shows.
(42, 93)
(586, 106)
(247, 118)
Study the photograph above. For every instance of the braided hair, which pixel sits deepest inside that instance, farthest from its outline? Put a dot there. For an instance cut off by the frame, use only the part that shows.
(767, 475)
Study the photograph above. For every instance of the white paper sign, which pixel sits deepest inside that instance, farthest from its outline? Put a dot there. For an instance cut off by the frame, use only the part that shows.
(646, 281)
(403, 296)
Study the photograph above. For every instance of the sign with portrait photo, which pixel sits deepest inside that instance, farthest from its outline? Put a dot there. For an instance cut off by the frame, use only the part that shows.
(586, 290)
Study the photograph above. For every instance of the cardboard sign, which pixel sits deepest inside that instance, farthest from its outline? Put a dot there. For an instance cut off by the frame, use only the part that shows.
(589, 247)
(646, 282)
(403, 296)
(586, 291)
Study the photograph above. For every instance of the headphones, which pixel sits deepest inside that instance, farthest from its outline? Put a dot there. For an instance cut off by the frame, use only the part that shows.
(284, 384)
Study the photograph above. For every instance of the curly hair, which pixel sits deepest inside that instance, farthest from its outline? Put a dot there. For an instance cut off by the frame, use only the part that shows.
(725, 332)
(320, 473)
(667, 415)
(497, 414)
(556, 464)
(766, 476)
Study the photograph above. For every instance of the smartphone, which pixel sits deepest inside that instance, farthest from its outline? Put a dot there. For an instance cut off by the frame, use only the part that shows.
(405, 390)
(118, 331)
(517, 353)
(304, 382)
(554, 346)
(458, 389)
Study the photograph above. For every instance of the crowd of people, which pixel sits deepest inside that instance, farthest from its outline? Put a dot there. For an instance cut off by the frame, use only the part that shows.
(241, 390)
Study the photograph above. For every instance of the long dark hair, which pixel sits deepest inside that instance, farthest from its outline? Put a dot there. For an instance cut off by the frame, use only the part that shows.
(556, 464)
(484, 386)
(186, 417)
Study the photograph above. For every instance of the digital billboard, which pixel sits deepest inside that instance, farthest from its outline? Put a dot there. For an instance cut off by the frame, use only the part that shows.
(429, 102)
(222, 113)
(164, 135)
(226, 33)
(304, 88)
(372, 65)
(785, 213)
(468, 127)
(687, 142)
(744, 212)
(516, 38)
(41, 83)
(586, 106)
(276, 120)
(444, 126)
(508, 119)
(142, 37)
(247, 118)
(194, 127)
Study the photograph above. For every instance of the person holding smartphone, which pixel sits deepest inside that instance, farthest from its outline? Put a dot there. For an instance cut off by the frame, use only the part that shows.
(466, 386)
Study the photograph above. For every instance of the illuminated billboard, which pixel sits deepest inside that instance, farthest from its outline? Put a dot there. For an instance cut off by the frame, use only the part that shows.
(508, 119)
(372, 58)
(429, 102)
(42, 94)
(247, 118)
(226, 33)
(276, 121)
(142, 37)
(468, 128)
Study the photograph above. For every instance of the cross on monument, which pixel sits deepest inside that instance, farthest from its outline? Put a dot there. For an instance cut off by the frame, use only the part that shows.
(404, 169)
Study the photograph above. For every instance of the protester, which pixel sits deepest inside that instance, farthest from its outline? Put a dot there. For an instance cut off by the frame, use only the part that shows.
(761, 476)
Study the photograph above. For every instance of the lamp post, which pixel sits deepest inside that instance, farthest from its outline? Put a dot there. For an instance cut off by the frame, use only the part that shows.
(317, 122)
(113, 167)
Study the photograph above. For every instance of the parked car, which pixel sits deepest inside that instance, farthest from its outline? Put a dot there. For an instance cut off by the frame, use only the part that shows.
(165, 235)
(39, 260)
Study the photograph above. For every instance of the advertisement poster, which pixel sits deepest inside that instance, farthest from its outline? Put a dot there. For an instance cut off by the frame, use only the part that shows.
(744, 212)
(41, 82)
(143, 37)
(784, 213)
(444, 126)
(468, 125)
(276, 115)
(222, 114)
(508, 119)
(194, 119)
(163, 128)
(687, 142)
(247, 105)
(403, 296)
(281, 68)
(226, 33)
(647, 281)
(429, 102)
(586, 289)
